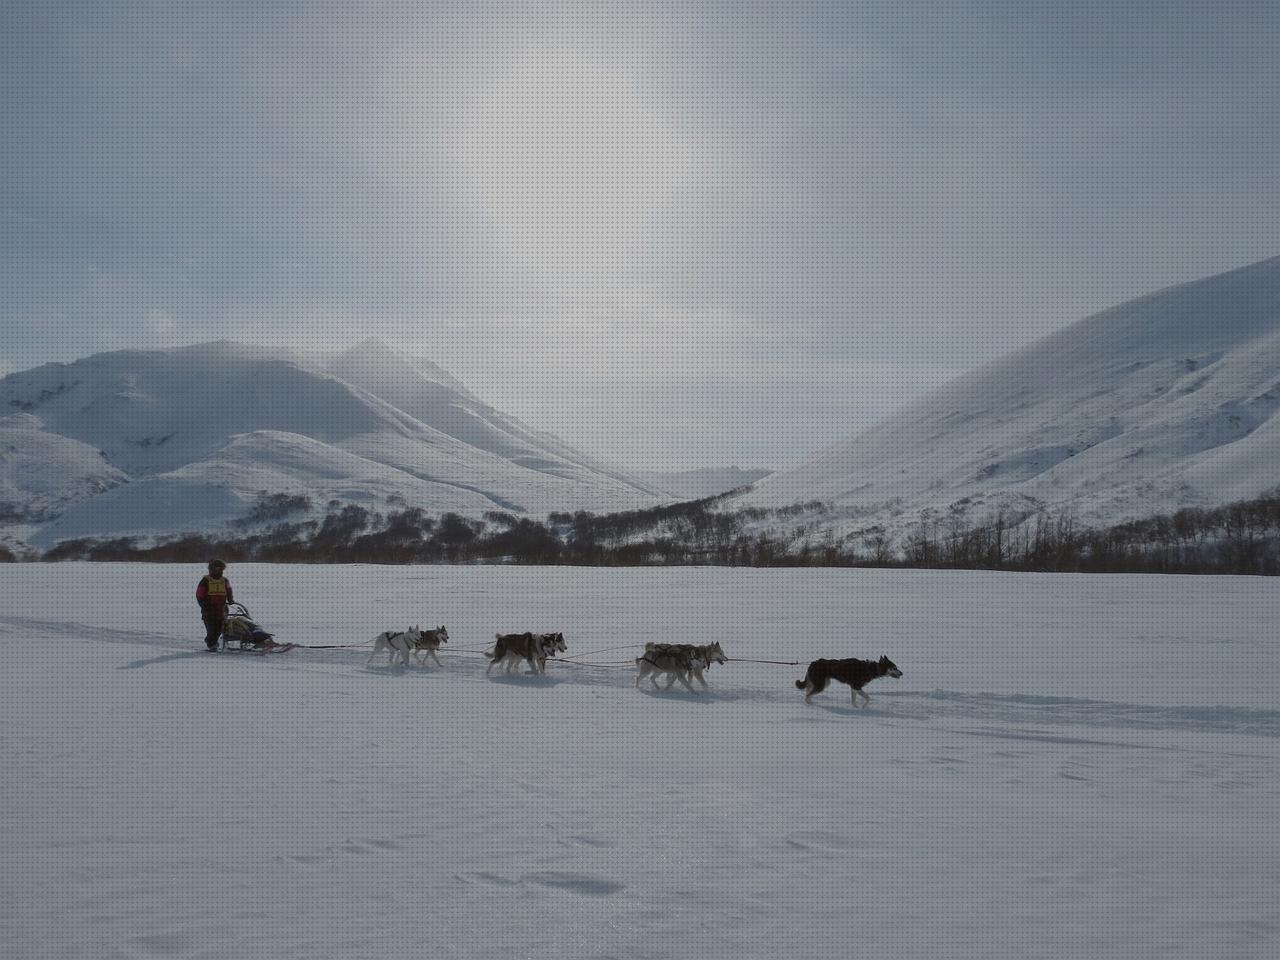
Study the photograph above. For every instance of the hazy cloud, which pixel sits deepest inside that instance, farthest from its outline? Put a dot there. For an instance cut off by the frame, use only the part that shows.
(739, 229)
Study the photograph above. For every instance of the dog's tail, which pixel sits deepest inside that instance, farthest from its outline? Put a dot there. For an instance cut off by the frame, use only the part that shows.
(800, 684)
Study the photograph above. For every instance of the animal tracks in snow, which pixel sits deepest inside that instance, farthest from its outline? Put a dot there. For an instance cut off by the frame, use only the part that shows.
(888, 704)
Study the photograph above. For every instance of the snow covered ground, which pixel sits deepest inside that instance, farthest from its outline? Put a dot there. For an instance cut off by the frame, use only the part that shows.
(1070, 767)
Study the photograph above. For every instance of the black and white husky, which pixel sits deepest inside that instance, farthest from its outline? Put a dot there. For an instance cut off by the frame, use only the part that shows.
(856, 673)
(534, 648)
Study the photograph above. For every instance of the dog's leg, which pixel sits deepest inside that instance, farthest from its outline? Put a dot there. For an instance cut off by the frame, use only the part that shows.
(684, 678)
(436, 659)
(809, 691)
(701, 679)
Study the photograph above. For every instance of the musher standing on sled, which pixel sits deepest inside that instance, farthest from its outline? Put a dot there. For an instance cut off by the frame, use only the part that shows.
(213, 593)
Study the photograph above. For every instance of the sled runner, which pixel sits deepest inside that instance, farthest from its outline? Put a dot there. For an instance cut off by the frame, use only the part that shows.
(240, 633)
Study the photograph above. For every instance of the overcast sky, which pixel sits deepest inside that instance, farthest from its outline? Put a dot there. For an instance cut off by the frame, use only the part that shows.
(677, 234)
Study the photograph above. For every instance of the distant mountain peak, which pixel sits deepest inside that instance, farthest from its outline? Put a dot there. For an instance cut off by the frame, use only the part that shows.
(379, 358)
(372, 347)
(188, 438)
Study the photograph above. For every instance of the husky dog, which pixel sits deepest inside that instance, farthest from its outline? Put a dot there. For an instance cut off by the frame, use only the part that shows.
(397, 643)
(677, 660)
(856, 673)
(535, 648)
(698, 658)
(428, 642)
(713, 654)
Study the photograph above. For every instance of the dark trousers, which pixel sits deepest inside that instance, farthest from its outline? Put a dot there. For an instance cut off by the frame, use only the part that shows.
(212, 628)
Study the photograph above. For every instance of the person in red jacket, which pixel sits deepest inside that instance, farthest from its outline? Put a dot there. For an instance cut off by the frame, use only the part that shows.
(213, 593)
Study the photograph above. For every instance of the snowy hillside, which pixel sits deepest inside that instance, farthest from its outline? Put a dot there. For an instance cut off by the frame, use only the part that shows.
(431, 395)
(1026, 789)
(704, 482)
(188, 439)
(1165, 401)
(42, 473)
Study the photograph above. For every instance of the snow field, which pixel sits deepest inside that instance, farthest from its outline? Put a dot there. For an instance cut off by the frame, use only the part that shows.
(1071, 766)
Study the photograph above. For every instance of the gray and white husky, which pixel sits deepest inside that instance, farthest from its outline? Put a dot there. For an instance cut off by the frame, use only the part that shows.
(428, 643)
(534, 648)
(678, 661)
(713, 654)
(400, 643)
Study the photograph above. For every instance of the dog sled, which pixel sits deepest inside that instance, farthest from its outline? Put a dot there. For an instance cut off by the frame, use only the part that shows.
(241, 633)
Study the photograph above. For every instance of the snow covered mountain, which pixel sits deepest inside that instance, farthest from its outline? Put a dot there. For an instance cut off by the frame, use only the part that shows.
(1162, 402)
(703, 482)
(153, 442)
(41, 472)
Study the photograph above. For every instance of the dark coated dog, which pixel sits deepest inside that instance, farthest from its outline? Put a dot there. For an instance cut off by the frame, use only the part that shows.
(856, 673)
(534, 648)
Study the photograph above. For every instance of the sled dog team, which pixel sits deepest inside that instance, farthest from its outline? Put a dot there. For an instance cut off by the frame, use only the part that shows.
(679, 661)
(415, 640)
(676, 661)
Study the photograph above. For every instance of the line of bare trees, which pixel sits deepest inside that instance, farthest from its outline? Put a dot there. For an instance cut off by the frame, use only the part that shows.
(1239, 538)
